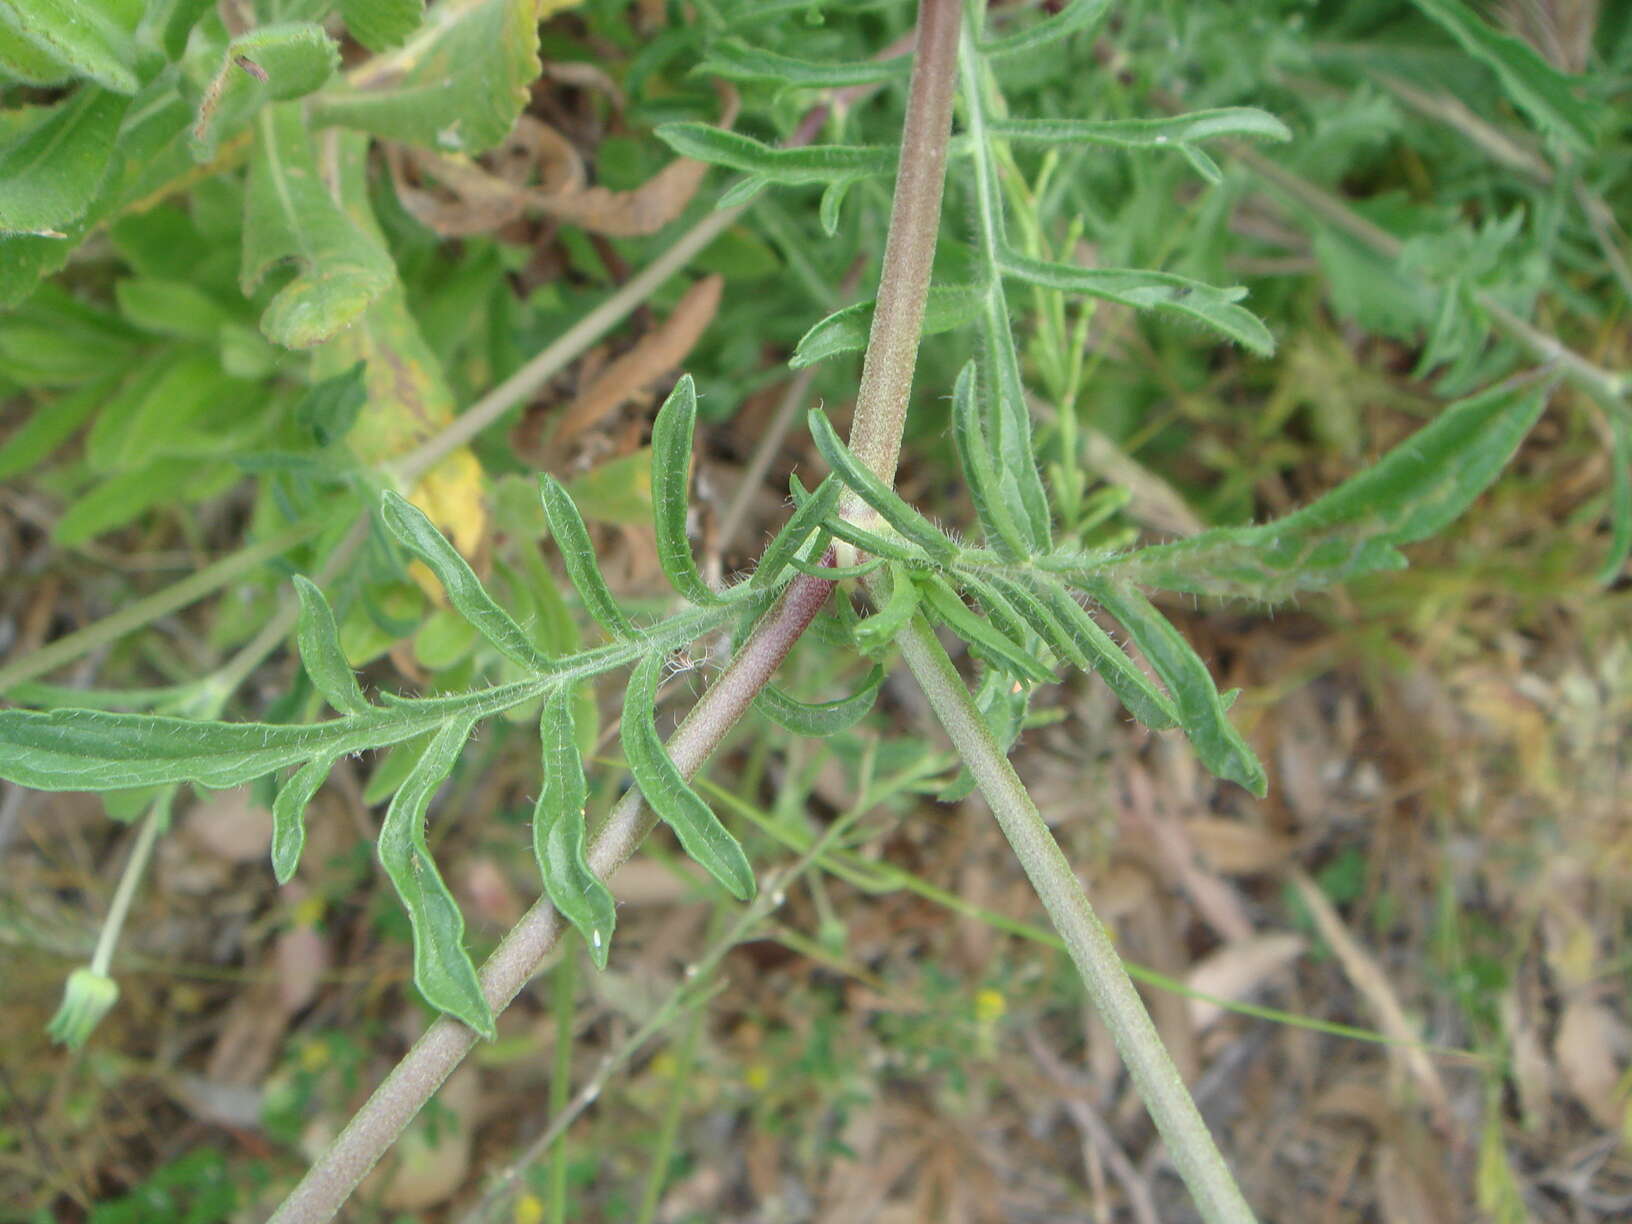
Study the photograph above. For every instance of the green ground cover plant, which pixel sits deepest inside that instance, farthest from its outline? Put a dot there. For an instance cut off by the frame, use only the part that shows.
(224, 268)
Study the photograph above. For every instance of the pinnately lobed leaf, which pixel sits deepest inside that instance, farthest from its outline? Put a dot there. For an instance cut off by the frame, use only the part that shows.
(578, 555)
(1159, 291)
(559, 834)
(465, 591)
(443, 970)
(1546, 94)
(1202, 710)
(672, 433)
(980, 467)
(820, 719)
(1412, 492)
(846, 330)
(874, 633)
(95, 750)
(680, 807)
(889, 504)
(806, 518)
(1075, 18)
(735, 60)
(320, 652)
(734, 151)
(983, 637)
(289, 815)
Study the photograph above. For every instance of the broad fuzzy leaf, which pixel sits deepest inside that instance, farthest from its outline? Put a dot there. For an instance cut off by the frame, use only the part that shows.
(91, 37)
(1160, 291)
(671, 491)
(558, 831)
(578, 555)
(734, 151)
(275, 63)
(321, 655)
(700, 832)
(465, 591)
(1412, 492)
(25, 62)
(889, 504)
(1536, 87)
(290, 216)
(443, 970)
(382, 24)
(846, 330)
(456, 85)
(819, 719)
(1202, 710)
(51, 170)
(737, 61)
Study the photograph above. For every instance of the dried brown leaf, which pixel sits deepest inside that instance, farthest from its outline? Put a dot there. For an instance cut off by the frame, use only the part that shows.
(1588, 1048)
(1237, 969)
(659, 351)
(1236, 848)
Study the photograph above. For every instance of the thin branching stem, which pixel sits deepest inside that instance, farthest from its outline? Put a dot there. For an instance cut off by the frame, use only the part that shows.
(880, 417)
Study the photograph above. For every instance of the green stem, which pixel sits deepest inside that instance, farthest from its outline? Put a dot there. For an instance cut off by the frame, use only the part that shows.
(158, 816)
(1109, 988)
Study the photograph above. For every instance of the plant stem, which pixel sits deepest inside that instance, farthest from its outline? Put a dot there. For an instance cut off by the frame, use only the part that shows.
(153, 823)
(375, 1127)
(907, 259)
(1109, 988)
(909, 249)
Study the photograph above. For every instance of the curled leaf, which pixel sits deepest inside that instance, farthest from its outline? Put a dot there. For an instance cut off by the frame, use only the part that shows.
(558, 830)
(819, 719)
(700, 832)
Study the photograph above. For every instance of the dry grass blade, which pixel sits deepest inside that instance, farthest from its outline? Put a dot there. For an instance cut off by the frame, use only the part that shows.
(1368, 978)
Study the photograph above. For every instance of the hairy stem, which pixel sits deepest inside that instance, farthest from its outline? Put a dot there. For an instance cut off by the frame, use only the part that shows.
(909, 250)
(375, 1127)
(908, 255)
(1090, 948)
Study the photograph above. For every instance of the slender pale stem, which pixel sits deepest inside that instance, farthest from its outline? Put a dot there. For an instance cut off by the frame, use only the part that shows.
(1109, 988)
(370, 1133)
(909, 249)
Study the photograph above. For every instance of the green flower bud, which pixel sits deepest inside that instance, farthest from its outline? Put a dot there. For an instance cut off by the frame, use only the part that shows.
(85, 1000)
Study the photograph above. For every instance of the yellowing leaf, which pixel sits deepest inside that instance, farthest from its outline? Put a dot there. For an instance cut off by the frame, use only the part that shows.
(408, 397)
